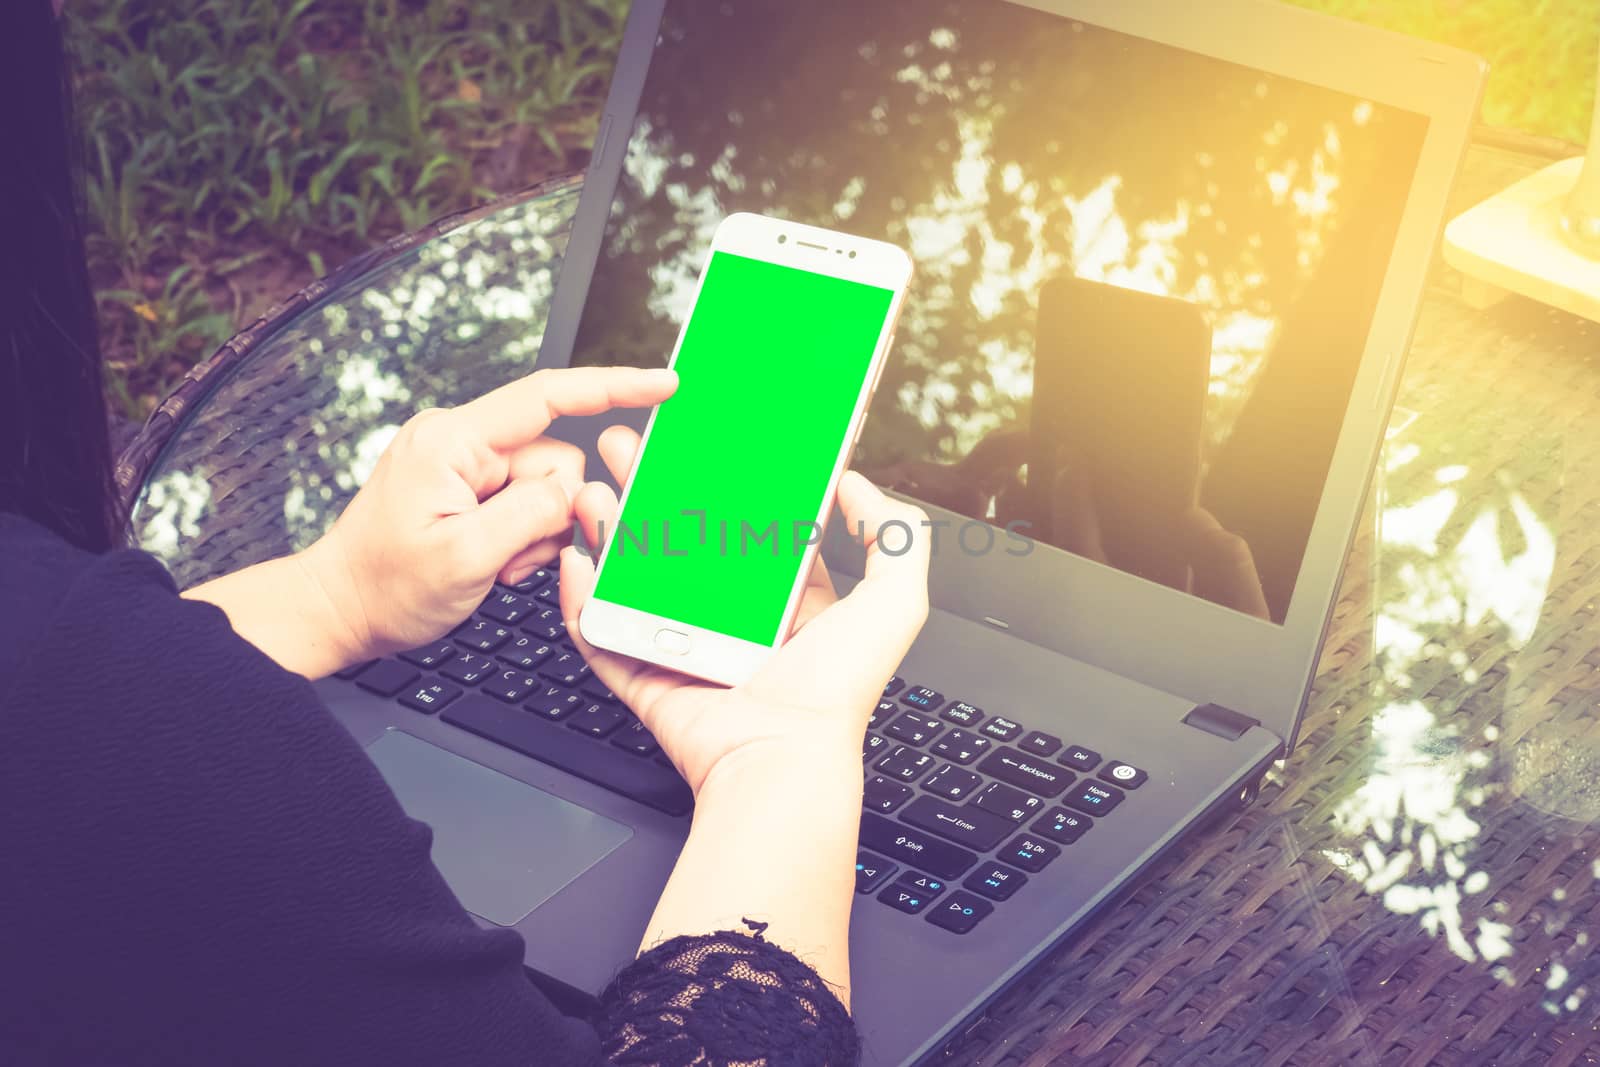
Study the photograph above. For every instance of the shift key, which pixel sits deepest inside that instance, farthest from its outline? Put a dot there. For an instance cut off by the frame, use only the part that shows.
(914, 847)
(965, 826)
(1028, 772)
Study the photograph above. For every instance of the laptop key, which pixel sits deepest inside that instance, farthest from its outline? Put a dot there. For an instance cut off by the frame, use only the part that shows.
(1063, 826)
(566, 669)
(643, 780)
(893, 686)
(469, 668)
(1040, 744)
(546, 623)
(1028, 772)
(921, 697)
(555, 703)
(429, 697)
(508, 608)
(997, 798)
(511, 686)
(905, 764)
(1029, 852)
(963, 713)
(535, 581)
(958, 746)
(1002, 729)
(904, 898)
(909, 846)
(354, 669)
(913, 728)
(1092, 797)
(960, 913)
(873, 746)
(636, 739)
(387, 677)
(550, 595)
(597, 720)
(1080, 759)
(995, 881)
(872, 871)
(882, 713)
(1124, 774)
(952, 782)
(481, 635)
(597, 689)
(925, 884)
(525, 652)
(431, 657)
(971, 827)
(880, 794)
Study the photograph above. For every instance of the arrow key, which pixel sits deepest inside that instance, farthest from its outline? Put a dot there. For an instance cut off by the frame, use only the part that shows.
(961, 912)
(872, 871)
(904, 898)
(925, 885)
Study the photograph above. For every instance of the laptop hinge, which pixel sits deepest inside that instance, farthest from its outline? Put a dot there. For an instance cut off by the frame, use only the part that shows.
(1224, 722)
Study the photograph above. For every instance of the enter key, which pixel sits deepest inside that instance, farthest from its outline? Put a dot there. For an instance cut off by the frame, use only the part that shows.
(976, 829)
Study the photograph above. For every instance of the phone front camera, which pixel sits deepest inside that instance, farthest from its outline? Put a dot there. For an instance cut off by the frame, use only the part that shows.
(852, 255)
(782, 237)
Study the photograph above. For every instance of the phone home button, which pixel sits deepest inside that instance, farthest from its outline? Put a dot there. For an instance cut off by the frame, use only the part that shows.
(672, 642)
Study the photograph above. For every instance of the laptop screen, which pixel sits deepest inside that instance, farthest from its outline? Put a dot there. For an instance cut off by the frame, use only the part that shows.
(1145, 277)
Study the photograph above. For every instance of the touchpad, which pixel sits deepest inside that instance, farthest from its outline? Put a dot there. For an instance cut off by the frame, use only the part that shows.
(504, 846)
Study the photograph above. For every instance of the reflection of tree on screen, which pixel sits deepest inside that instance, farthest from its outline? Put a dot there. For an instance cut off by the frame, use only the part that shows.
(976, 134)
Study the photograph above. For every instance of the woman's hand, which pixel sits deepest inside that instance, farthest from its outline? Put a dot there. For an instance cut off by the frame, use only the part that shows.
(463, 495)
(460, 496)
(814, 696)
(756, 853)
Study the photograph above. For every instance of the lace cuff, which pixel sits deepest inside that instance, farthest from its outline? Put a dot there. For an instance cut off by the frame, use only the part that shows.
(724, 999)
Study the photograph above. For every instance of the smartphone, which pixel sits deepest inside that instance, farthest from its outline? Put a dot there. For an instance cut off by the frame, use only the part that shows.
(1120, 382)
(723, 512)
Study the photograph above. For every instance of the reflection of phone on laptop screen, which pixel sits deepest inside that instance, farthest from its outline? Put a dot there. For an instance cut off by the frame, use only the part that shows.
(1120, 381)
(721, 518)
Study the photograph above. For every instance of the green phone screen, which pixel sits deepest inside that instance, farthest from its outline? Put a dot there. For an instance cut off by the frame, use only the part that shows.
(719, 509)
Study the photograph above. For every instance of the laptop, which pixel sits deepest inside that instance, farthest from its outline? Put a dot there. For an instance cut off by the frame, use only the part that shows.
(1169, 258)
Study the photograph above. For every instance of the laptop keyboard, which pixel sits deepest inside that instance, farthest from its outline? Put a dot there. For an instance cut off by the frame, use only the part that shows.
(960, 807)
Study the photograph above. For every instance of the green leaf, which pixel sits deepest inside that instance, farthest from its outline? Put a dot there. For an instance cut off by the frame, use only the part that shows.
(317, 188)
(430, 170)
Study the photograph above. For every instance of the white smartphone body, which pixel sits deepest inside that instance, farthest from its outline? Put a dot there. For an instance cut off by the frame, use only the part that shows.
(722, 515)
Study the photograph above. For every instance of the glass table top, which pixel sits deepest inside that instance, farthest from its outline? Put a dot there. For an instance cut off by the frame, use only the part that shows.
(1418, 883)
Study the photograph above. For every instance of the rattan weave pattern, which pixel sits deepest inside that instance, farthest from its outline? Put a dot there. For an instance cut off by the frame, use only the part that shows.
(1416, 885)
(1252, 945)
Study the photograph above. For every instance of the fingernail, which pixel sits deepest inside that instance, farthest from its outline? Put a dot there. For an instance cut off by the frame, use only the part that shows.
(570, 484)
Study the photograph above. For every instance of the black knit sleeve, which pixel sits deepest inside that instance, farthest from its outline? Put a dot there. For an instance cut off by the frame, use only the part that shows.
(724, 998)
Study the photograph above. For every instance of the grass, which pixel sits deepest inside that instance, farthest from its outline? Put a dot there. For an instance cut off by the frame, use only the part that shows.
(236, 149)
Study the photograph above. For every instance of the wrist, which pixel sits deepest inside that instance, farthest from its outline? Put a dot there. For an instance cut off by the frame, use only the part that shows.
(824, 768)
(325, 571)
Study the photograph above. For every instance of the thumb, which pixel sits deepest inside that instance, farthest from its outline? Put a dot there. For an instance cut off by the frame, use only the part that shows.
(524, 513)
